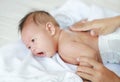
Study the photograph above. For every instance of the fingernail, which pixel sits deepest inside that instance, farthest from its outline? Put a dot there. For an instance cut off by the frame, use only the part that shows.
(92, 32)
(78, 59)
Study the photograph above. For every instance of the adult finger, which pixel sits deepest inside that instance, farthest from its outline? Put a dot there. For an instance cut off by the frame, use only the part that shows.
(85, 28)
(90, 61)
(86, 69)
(84, 75)
(77, 26)
(84, 64)
(84, 20)
(94, 32)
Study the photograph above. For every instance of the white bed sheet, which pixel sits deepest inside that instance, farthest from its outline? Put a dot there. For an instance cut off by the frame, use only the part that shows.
(17, 65)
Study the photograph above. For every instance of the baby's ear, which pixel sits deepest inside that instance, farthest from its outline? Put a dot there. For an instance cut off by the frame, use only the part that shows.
(50, 28)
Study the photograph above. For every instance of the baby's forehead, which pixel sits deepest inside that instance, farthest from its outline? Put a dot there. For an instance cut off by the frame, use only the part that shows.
(29, 19)
(32, 20)
(30, 23)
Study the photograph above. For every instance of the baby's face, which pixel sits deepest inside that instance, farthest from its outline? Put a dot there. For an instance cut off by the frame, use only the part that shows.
(38, 40)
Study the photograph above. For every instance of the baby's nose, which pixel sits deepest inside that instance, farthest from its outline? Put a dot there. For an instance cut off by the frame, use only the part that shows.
(33, 49)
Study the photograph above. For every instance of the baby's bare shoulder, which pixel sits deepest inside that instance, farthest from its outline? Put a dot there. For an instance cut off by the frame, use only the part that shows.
(66, 42)
(66, 39)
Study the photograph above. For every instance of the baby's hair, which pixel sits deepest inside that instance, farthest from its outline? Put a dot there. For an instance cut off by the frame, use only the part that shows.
(38, 17)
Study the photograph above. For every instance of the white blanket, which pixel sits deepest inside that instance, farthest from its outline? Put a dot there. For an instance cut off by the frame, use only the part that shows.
(17, 65)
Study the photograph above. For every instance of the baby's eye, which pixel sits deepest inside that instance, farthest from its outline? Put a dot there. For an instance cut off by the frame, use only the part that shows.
(29, 47)
(33, 40)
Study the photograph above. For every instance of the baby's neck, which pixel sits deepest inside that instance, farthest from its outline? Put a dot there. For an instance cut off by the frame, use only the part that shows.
(57, 37)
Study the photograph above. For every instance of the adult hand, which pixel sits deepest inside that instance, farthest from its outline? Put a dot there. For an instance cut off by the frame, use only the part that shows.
(97, 72)
(98, 27)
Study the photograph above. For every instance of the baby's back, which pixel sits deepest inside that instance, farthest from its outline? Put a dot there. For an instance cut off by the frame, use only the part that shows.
(75, 44)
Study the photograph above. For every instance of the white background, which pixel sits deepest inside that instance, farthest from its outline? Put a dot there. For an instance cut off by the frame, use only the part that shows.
(11, 11)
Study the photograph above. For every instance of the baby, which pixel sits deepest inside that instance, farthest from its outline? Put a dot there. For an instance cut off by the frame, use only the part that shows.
(42, 35)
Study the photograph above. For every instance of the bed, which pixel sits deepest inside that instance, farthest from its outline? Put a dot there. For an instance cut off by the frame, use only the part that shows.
(16, 62)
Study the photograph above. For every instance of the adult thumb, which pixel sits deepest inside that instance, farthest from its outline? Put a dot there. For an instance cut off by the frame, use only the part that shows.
(93, 33)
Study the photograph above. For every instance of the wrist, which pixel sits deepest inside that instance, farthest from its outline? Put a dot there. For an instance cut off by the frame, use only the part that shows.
(117, 79)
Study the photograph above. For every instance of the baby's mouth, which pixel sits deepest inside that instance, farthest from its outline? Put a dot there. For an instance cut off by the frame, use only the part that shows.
(41, 54)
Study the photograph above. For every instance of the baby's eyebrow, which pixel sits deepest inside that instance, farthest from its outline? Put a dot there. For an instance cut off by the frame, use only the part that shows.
(35, 36)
